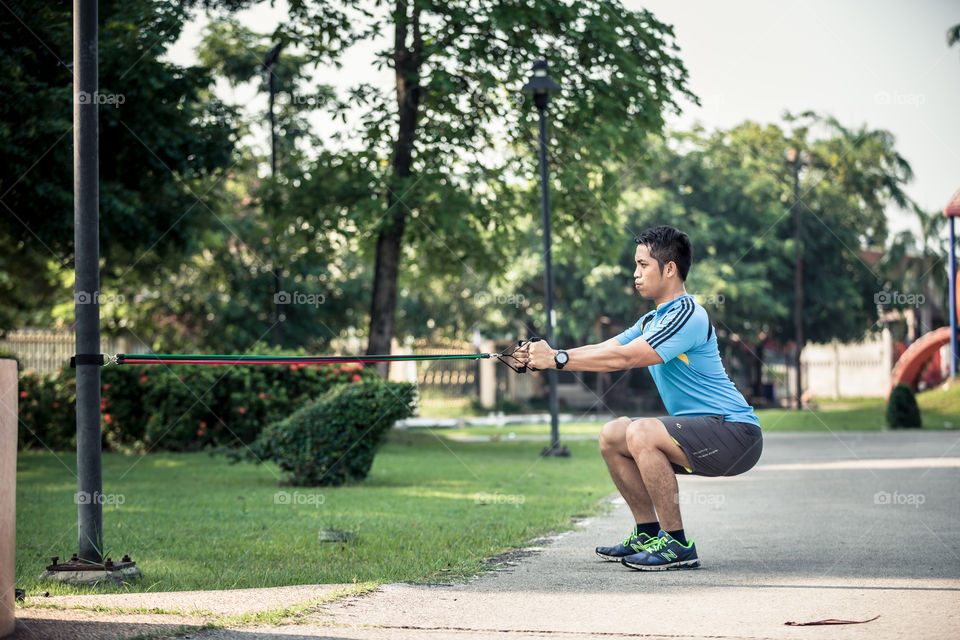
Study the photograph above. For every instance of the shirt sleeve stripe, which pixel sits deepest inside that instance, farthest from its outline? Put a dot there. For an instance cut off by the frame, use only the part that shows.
(685, 313)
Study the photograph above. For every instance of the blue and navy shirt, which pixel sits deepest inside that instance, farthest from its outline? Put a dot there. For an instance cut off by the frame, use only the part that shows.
(691, 380)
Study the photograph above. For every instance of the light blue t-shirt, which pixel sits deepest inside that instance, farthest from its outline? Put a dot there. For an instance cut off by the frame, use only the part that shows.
(691, 380)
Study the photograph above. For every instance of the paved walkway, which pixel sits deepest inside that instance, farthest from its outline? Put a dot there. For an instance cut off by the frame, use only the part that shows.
(847, 526)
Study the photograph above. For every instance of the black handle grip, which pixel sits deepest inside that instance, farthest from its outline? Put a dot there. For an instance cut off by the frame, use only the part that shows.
(523, 368)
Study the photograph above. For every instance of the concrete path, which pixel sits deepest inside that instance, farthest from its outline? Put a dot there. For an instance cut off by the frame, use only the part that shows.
(847, 526)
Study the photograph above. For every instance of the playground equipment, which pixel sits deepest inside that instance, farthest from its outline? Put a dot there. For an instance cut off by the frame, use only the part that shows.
(917, 355)
(952, 210)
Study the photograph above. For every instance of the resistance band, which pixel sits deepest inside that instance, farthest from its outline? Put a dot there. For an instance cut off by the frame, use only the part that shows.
(168, 358)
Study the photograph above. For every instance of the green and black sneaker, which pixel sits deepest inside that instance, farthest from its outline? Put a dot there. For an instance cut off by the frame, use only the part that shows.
(634, 543)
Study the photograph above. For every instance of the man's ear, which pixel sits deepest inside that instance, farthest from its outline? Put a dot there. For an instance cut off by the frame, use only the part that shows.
(670, 265)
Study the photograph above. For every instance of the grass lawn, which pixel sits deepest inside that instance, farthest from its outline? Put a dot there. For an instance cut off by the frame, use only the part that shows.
(432, 510)
(939, 409)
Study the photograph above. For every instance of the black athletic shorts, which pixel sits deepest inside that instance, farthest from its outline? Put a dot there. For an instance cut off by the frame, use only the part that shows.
(714, 446)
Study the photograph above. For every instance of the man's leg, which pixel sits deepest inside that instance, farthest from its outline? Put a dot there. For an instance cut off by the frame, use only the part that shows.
(652, 450)
(624, 471)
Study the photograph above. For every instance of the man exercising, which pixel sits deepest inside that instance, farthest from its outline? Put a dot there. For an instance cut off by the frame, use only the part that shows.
(711, 430)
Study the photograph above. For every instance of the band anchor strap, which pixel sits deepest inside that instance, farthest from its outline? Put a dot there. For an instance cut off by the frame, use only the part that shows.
(97, 359)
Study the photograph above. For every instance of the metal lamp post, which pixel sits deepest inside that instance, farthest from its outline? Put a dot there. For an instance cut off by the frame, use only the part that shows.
(952, 210)
(796, 159)
(541, 86)
(87, 281)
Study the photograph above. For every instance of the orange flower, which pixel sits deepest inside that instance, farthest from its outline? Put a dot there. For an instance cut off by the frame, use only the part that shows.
(356, 377)
(23, 394)
(241, 410)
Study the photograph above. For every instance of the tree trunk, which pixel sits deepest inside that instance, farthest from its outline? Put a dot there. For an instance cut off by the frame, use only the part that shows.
(407, 63)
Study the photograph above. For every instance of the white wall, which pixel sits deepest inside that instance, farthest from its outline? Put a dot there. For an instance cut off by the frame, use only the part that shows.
(860, 369)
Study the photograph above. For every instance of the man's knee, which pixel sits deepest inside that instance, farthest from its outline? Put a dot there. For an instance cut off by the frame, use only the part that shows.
(643, 434)
(612, 434)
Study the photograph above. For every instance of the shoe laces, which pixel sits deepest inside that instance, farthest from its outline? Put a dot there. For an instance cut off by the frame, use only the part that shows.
(657, 543)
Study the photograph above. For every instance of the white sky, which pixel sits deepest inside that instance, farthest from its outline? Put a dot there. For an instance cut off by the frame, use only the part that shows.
(880, 62)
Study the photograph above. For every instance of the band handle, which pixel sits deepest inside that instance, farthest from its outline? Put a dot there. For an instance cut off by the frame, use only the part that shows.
(523, 368)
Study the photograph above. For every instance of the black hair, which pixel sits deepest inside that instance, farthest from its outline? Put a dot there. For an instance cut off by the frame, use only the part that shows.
(668, 244)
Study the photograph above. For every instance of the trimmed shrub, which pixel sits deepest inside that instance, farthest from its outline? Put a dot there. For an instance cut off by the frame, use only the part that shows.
(185, 408)
(333, 440)
(176, 408)
(902, 409)
(47, 411)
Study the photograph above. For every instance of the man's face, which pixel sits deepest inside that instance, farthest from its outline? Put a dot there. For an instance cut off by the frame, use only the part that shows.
(647, 279)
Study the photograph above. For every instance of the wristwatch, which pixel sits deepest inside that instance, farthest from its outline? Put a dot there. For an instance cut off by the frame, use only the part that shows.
(561, 358)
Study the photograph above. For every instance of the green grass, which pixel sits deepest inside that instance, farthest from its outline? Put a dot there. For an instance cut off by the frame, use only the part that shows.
(939, 409)
(432, 509)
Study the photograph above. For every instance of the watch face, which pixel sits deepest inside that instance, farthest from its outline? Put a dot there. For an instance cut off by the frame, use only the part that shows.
(562, 357)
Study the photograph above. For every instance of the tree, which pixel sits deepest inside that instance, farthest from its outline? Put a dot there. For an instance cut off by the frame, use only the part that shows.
(445, 193)
(733, 192)
(164, 140)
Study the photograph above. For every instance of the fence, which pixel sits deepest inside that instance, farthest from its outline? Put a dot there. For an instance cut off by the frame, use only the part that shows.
(859, 369)
(46, 350)
(450, 384)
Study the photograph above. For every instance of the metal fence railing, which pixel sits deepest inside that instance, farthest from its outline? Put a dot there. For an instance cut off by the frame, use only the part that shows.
(46, 350)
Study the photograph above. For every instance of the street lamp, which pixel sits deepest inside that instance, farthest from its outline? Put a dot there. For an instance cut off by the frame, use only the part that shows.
(541, 86)
(796, 159)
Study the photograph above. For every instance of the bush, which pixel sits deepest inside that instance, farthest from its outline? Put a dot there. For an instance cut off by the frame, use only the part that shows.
(177, 408)
(333, 440)
(189, 407)
(47, 411)
(902, 409)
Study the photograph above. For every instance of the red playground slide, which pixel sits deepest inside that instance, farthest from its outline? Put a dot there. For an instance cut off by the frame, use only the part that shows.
(911, 363)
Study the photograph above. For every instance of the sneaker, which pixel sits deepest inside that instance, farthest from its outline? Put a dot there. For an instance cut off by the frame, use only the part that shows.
(664, 553)
(633, 543)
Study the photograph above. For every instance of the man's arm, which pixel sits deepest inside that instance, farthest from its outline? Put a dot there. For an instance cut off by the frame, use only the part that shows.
(606, 356)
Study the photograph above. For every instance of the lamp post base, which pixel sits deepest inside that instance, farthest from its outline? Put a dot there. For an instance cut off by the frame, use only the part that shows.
(558, 451)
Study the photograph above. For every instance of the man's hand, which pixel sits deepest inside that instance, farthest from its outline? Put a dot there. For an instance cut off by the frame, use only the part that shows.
(537, 355)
